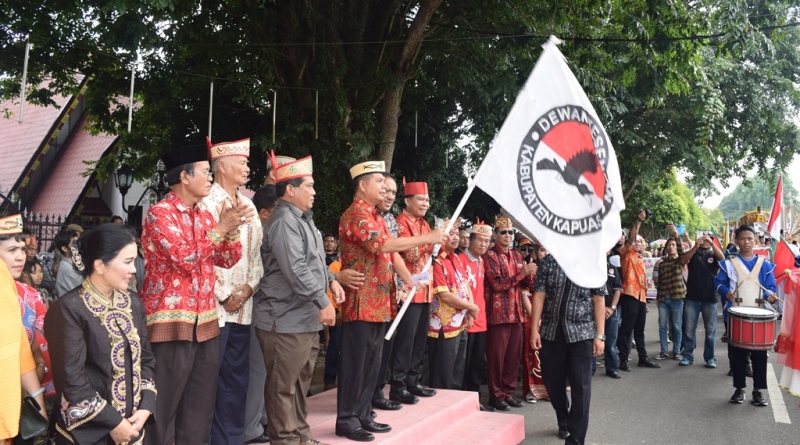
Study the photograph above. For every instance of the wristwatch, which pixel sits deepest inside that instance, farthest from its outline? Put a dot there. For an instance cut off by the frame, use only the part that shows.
(601, 337)
(613, 308)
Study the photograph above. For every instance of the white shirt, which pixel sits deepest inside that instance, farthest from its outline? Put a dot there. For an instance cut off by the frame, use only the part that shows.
(248, 270)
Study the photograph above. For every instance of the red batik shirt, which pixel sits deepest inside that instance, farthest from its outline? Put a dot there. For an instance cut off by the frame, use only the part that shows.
(449, 275)
(503, 286)
(418, 257)
(181, 248)
(362, 234)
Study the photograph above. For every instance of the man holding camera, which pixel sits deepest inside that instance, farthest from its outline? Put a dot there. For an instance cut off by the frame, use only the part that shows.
(633, 302)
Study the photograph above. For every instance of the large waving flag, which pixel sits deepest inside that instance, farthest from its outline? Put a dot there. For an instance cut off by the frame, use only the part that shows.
(553, 168)
(774, 225)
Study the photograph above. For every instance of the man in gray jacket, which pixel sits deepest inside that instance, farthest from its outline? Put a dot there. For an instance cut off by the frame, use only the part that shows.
(295, 283)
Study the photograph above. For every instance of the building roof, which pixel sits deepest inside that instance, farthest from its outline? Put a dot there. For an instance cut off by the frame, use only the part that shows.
(20, 142)
(65, 186)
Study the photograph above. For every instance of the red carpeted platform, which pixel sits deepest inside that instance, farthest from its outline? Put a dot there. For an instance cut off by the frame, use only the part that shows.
(449, 417)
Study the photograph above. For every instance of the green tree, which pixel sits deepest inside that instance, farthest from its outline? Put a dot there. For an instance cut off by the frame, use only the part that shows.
(378, 67)
(756, 191)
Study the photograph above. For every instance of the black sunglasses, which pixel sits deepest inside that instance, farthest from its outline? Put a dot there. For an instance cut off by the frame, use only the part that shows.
(505, 232)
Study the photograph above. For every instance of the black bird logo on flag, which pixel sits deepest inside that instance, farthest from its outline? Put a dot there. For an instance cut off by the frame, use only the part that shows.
(572, 141)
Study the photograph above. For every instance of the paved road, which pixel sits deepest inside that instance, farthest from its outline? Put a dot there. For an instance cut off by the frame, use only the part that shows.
(675, 405)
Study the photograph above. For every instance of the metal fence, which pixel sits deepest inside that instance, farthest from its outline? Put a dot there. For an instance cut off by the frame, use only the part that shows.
(46, 227)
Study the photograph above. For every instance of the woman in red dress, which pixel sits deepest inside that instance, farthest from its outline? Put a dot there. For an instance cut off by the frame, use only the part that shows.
(532, 383)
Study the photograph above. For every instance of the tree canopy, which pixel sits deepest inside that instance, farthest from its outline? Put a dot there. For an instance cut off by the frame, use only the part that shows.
(706, 86)
(754, 192)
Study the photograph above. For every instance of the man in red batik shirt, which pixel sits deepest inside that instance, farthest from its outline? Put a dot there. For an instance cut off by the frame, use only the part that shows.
(412, 331)
(505, 273)
(368, 248)
(182, 244)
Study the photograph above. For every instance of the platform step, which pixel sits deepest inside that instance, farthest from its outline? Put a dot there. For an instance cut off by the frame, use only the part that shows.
(482, 428)
(434, 420)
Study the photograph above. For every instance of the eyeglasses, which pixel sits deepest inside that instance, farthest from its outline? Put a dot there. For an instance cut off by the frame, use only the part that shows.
(505, 232)
(208, 173)
(525, 248)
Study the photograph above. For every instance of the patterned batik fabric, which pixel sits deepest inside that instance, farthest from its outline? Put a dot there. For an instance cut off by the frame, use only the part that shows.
(362, 234)
(417, 258)
(503, 286)
(449, 275)
(249, 269)
(181, 248)
(33, 312)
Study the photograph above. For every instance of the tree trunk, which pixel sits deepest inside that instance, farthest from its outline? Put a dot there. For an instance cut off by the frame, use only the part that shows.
(627, 194)
(400, 69)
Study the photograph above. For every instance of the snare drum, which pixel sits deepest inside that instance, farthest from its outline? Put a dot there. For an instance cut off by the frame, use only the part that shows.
(752, 327)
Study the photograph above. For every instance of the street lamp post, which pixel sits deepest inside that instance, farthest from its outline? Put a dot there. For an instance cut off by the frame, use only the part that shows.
(123, 178)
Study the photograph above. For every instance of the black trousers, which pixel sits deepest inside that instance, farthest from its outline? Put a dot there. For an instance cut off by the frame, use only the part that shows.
(738, 358)
(475, 361)
(186, 378)
(634, 317)
(561, 360)
(409, 346)
(446, 360)
(362, 346)
(386, 355)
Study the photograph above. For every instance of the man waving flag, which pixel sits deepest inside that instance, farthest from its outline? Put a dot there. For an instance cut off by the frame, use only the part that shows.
(565, 188)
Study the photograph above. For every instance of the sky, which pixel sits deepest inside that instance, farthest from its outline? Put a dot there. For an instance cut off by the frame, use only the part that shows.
(712, 202)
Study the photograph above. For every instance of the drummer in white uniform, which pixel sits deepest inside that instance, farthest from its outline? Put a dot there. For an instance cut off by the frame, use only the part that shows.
(748, 281)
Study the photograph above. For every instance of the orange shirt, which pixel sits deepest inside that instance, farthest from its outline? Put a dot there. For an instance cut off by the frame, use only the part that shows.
(335, 266)
(634, 278)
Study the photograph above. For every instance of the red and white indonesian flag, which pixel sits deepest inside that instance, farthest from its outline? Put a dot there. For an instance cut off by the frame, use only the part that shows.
(774, 225)
(553, 168)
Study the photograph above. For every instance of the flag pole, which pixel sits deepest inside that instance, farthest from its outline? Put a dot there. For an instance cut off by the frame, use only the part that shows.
(407, 302)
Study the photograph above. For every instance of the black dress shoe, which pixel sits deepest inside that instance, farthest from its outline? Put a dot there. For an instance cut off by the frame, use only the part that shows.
(738, 396)
(263, 438)
(404, 397)
(749, 371)
(373, 414)
(647, 363)
(421, 392)
(614, 375)
(358, 434)
(563, 433)
(758, 399)
(499, 405)
(375, 427)
(624, 367)
(489, 409)
(730, 373)
(387, 405)
(513, 402)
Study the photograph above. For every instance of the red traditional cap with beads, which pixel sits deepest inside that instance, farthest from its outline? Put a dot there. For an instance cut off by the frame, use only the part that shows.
(414, 188)
(291, 170)
(480, 228)
(11, 225)
(235, 148)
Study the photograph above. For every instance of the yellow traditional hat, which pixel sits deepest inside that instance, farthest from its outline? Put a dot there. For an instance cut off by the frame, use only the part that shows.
(480, 228)
(367, 167)
(235, 148)
(502, 222)
(11, 225)
(291, 170)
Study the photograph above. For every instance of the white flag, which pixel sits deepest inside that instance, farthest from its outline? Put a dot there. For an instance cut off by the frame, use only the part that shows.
(553, 168)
